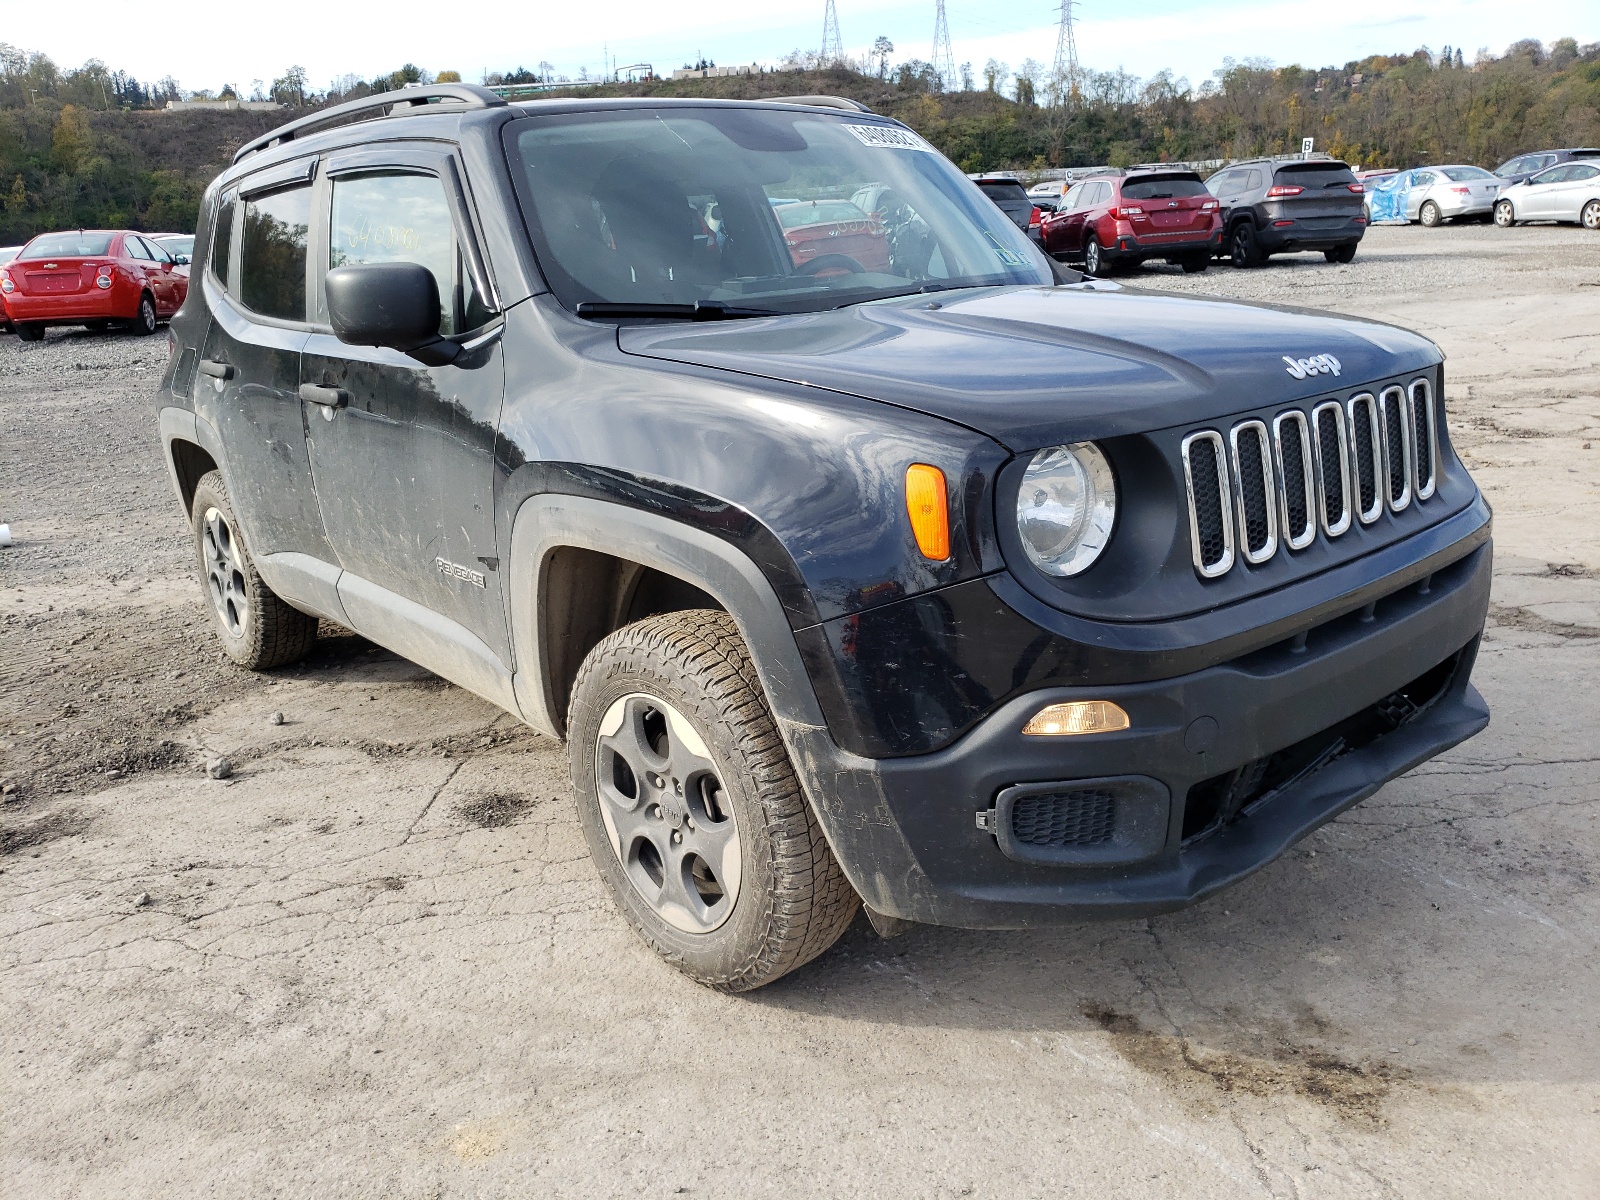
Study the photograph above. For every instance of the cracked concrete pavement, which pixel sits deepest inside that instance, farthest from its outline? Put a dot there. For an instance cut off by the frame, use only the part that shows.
(376, 961)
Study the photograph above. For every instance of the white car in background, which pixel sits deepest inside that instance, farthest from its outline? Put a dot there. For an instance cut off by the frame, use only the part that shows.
(1432, 195)
(1569, 191)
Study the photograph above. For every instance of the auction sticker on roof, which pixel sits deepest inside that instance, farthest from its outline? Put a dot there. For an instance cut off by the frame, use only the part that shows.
(889, 137)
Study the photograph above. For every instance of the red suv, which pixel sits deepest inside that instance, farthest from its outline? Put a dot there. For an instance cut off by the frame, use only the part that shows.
(1112, 219)
(90, 277)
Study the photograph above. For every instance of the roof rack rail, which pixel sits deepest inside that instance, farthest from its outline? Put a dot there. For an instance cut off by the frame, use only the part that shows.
(820, 102)
(463, 95)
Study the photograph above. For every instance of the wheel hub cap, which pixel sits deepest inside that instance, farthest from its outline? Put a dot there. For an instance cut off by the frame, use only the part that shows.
(224, 576)
(667, 816)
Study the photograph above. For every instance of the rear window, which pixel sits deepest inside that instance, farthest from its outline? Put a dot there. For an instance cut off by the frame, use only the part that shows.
(1462, 174)
(1315, 175)
(67, 245)
(1011, 197)
(272, 254)
(817, 212)
(1164, 187)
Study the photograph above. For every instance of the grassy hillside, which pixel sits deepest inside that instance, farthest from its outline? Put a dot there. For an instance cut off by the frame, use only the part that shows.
(85, 148)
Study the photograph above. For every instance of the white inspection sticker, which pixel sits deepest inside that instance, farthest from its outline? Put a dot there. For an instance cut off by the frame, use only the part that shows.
(888, 137)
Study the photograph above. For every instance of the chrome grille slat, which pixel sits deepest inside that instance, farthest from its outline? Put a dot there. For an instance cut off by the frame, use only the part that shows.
(1333, 468)
(1205, 476)
(1425, 439)
(1366, 456)
(1254, 493)
(1394, 416)
(1297, 496)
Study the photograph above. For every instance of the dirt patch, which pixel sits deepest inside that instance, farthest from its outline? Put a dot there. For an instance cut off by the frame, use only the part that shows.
(1354, 1091)
(16, 837)
(1515, 617)
(494, 810)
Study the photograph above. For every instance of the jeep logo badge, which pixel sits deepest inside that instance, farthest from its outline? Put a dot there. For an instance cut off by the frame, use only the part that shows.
(1317, 364)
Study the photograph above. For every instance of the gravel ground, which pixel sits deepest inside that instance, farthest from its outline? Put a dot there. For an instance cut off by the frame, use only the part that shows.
(375, 961)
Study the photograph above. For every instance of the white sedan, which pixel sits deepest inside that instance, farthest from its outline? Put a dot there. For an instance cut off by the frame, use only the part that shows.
(1566, 192)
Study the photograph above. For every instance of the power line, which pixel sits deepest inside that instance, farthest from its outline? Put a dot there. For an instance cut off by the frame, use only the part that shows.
(944, 58)
(832, 43)
(1064, 76)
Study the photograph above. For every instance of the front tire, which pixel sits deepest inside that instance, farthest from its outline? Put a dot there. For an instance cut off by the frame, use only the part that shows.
(1589, 218)
(1504, 215)
(1430, 216)
(144, 321)
(258, 630)
(692, 811)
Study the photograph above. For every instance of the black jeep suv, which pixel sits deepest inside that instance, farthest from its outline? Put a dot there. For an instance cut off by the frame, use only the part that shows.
(908, 576)
(1276, 206)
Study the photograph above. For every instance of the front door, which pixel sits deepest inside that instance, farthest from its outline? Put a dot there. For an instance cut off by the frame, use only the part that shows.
(403, 453)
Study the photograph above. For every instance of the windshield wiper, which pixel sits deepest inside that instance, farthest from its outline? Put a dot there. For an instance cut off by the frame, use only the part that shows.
(700, 310)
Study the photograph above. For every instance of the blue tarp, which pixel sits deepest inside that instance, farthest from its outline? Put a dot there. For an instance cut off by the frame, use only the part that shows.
(1386, 199)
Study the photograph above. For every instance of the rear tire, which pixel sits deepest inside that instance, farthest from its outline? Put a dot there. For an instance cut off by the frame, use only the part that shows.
(29, 331)
(1095, 261)
(1589, 218)
(144, 321)
(258, 630)
(693, 814)
(1193, 264)
(1430, 216)
(1341, 254)
(1243, 249)
(1504, 215)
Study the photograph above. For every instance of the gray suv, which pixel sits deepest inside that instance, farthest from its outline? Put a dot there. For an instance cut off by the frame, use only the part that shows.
(1278, 206)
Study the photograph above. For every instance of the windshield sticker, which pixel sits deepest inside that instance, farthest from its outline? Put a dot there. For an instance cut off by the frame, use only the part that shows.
(888, 137)
(1010, 257)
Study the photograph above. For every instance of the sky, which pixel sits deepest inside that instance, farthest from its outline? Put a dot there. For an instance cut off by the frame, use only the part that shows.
(205, 44)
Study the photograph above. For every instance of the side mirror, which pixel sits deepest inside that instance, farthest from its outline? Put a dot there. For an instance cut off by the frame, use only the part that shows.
(389, 304)
(181, 260)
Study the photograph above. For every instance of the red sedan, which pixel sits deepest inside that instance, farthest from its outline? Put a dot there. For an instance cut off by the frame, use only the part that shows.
(1129, 218)
(90, 277)
(831, 237)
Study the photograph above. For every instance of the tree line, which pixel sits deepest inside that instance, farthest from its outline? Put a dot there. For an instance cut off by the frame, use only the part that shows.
(91, 147)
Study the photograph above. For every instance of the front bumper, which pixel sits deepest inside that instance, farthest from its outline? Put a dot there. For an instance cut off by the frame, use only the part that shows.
(1220, 772)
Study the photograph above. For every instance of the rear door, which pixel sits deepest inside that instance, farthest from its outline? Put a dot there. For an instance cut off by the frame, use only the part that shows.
(1576, 187)
(249, 369)
(402, 453)
(156, 264)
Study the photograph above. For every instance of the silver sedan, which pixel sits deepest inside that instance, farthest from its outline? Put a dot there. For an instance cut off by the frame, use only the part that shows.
(1566, 192)
(1432, 195)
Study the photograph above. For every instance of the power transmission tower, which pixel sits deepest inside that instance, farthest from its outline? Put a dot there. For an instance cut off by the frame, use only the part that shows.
(1064, 78)
(944, 59)
(832, 43)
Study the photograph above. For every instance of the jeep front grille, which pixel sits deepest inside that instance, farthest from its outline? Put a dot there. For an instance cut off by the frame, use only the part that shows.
(1205, 472)
(1329, 468)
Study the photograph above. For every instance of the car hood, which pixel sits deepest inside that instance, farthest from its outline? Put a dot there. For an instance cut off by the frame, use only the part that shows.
(1034, 366)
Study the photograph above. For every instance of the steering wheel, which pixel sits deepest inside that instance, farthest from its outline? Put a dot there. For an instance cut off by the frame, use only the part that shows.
(832, 263)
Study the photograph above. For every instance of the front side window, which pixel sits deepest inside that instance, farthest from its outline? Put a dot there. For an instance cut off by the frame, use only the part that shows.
(1074, 196)
(222, 237)
(397, 217)
(1553, 175)
(272, 253)
(1226, 182)
(688, 205)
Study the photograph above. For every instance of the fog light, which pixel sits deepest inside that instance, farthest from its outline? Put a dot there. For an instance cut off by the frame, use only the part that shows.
(1080, 716)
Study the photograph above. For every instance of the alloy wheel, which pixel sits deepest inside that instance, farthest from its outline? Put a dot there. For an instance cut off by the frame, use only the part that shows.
(670, 822)
(1503, 215)
(224, 573)
(1091, 256)
(1591, 215)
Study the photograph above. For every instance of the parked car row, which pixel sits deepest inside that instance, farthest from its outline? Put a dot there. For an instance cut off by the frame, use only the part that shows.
(1552, 185)
(94, 278)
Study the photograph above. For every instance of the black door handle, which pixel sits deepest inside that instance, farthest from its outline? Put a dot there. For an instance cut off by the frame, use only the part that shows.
(328, 397)
(215, 369)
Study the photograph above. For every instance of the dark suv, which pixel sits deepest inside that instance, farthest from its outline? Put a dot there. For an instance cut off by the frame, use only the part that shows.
(1012, 199)
(946, 586)
(1276, 206)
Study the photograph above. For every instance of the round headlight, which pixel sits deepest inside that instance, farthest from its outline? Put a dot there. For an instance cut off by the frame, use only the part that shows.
(1066, 508)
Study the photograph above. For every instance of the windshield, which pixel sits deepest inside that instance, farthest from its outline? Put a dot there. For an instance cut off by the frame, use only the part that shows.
(1164, 187)
(683, 205)
(1462, 174)
(67, 245)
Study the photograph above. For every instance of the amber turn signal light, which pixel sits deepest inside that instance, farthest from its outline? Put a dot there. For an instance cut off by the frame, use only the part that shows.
(1080, 716)
(929, 508)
